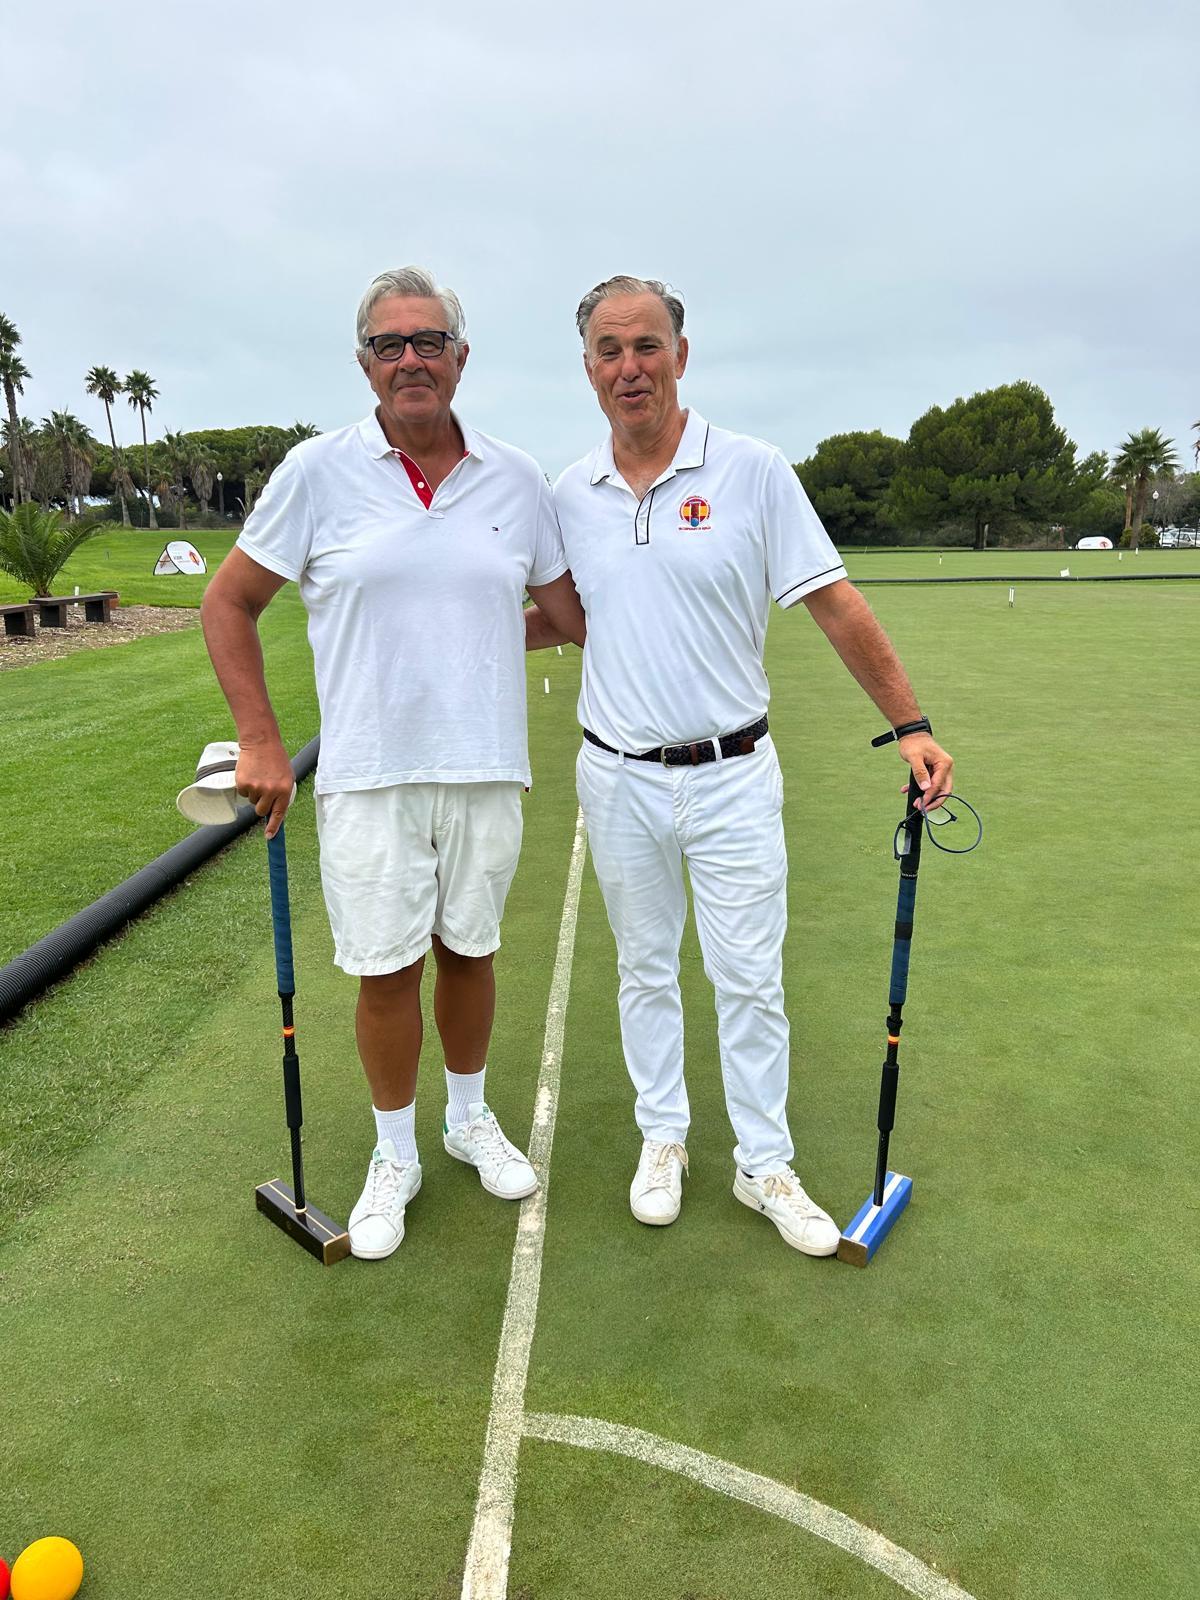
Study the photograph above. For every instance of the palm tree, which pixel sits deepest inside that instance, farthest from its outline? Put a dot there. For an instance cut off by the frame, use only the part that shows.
(51, 476)
(1123, 472)
(44, 458)
(77, 452)
(122, 482)
(1196, 446)
(104, 383)
(178, 460)
(13, 373)
(21, 447)
(201, 464)
(140, 392)
(81, 458)
(162, 481)
(34, 545)
(1139, 458)
(269, 449)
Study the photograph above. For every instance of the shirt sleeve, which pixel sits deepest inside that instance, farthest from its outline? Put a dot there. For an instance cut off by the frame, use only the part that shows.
(278, 532)
(800, 555)
(549, 557)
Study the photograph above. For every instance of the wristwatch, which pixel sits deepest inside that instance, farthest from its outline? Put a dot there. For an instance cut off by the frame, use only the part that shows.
(921, 725)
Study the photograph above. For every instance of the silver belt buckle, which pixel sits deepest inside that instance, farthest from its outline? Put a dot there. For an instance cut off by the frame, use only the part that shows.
(668, 749)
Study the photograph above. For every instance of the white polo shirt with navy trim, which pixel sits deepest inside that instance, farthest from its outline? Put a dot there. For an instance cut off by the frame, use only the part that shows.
(414, 611)
(677, 586)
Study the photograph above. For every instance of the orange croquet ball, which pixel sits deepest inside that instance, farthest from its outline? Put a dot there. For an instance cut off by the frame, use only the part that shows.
(49, 1569)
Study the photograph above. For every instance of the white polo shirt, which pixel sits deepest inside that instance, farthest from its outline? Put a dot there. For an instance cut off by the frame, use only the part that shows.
(677, 586)
(414, 614)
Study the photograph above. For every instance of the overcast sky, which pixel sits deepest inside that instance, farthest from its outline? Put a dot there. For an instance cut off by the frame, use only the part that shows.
(870, 206)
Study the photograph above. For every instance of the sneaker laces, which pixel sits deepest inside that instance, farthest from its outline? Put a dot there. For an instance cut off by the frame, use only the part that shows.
(490, 1136)
(384, 1179)
(658, 1166)
(786, 1186)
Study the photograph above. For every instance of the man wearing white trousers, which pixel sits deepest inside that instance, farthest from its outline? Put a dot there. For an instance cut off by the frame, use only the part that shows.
(679, 535)
(413, 539)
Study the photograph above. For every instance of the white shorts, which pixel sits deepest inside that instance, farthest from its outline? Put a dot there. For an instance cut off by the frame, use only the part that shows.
(403, 863)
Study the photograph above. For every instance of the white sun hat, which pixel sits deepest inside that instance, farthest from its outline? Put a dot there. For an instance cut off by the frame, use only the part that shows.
(213, 797)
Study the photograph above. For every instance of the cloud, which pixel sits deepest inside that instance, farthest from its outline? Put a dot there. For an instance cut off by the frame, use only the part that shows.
(870, 209)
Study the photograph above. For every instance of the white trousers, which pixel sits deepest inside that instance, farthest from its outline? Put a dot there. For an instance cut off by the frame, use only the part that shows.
(724, 819)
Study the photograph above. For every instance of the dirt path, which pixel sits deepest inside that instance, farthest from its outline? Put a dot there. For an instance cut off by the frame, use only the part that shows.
(129, 623)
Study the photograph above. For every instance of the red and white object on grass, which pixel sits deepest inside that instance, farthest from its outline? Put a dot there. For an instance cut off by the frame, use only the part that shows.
(179, 557)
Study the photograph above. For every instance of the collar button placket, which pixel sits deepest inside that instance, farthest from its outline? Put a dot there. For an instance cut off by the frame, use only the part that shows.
(641, 520)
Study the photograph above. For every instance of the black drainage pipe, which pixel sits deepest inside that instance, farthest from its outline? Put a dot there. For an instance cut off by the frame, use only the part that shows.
(30, 974)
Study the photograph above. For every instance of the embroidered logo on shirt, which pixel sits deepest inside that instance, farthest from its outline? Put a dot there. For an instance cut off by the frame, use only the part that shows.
(695, 512)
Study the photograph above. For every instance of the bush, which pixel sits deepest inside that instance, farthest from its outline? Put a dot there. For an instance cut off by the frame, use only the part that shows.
(35, 545)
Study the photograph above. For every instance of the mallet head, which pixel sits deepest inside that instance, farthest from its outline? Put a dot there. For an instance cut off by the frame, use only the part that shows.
(319, 1234)
(872, 1224)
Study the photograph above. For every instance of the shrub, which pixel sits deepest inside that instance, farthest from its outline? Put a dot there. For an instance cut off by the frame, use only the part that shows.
(35, 545)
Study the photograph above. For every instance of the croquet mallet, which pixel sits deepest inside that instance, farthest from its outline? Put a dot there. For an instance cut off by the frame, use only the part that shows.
(286, 1205)
(878, 1214)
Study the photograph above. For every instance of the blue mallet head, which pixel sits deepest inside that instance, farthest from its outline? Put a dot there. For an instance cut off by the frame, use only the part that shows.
(872, 1224)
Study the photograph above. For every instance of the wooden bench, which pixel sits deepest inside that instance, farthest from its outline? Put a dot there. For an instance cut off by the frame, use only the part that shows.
(99, 607)
(18, 621)
(52, 609)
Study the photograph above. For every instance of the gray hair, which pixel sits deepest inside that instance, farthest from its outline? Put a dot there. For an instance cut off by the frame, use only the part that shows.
(625, 285)
(420, 284)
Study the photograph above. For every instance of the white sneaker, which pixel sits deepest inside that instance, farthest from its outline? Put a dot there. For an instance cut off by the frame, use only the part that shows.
(780, 1197)
(656, 1192)
(480, 1142)
(377, 1222)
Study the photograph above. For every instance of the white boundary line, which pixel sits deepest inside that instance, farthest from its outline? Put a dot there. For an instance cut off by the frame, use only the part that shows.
(486, 1575)
(765, 1493)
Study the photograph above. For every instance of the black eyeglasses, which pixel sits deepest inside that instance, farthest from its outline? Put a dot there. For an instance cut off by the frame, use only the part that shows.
(935, 821)
(426, 342)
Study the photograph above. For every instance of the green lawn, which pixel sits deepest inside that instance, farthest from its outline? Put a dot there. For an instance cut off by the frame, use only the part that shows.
(123, 559)
(1019, 563)
(1009, 1390)
(98, 744)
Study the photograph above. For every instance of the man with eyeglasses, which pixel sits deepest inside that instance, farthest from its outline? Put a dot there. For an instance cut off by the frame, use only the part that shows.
(679, 535)
(413, 539)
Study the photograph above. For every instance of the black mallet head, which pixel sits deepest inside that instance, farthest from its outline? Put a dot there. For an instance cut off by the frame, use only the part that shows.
(319, 1234)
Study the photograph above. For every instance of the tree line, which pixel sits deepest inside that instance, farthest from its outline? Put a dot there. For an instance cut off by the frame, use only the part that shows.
(59, 463)
(995, 468)
(992, 468)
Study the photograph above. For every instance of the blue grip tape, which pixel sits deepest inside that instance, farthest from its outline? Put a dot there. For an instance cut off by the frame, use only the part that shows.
(281, 917)
(906, 902)
(899, 987)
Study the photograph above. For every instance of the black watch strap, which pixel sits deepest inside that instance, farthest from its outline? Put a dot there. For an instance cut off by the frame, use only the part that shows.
(921, 725)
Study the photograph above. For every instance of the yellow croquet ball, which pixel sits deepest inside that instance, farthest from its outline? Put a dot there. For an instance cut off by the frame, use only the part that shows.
(48, 1569)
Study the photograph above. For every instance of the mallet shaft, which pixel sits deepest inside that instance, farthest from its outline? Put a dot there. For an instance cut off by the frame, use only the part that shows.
(281, 925)
(906, 902)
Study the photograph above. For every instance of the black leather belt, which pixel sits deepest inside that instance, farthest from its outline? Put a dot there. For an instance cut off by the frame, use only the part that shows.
(694, 754)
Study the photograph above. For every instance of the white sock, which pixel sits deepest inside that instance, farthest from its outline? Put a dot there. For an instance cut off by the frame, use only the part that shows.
(463, 1090)
(400, 1128)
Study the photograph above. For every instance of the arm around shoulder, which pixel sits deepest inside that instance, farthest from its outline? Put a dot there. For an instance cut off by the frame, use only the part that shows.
(556, 616)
